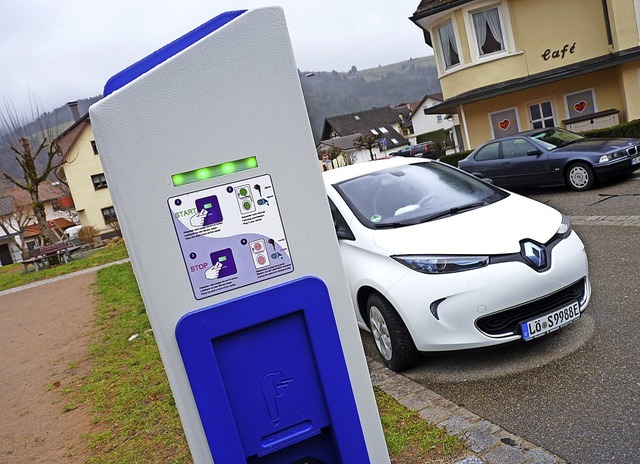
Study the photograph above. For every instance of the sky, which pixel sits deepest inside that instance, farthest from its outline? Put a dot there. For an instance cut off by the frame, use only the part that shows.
(52, 52)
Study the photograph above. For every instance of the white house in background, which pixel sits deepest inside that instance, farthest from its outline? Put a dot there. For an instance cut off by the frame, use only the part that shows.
(423, 122)
(18, 226)
(346, 143)
(385, 123)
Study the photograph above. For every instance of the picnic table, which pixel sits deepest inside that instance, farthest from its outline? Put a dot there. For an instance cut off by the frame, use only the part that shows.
(42, 255)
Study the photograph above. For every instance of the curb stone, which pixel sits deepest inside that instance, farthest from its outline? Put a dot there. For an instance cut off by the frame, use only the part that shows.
(606, 220)
(486, 442)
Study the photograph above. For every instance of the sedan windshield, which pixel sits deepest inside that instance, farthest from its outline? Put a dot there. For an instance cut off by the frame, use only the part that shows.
(414, 193)
(556, 137)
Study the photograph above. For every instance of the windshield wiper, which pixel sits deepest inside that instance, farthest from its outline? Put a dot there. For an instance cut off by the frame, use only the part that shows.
(391, 225)
(453, 211)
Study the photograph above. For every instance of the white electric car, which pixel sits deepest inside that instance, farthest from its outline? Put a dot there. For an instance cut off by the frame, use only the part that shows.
(439, 260)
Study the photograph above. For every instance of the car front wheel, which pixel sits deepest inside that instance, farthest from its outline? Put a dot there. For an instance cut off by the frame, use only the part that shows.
(392, 339)
(580, 176)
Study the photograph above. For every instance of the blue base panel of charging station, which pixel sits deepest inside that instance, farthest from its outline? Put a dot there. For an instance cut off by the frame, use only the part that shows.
(269, 378)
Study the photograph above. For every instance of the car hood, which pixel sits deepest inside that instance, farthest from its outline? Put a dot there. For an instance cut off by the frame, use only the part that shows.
(599, 146)
(494, 229)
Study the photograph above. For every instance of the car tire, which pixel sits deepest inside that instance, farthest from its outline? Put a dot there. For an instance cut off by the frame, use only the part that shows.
(580, 176)
(390, 335)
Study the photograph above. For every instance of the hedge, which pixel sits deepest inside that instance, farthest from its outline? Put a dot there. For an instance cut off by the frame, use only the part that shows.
(454, 157)
(629, 129)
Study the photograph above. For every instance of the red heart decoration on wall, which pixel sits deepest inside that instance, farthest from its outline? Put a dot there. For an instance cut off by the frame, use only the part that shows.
(504, 124)
(580, 106)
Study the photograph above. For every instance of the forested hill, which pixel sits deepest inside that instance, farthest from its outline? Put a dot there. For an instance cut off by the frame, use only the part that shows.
(326, 94)
(334, 93)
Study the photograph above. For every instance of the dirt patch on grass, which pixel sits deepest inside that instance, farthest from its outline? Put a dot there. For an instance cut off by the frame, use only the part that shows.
(44, 337)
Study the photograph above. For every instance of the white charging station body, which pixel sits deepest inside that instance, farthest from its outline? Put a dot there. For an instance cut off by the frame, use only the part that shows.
(212, 168)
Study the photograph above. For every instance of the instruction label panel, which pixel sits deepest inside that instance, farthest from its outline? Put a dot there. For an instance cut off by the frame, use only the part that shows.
(231, 235)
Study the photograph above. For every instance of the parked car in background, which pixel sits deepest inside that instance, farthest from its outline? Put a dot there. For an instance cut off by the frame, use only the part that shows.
(439, 260)
(71, 234)
(421, 150)
(552, 156)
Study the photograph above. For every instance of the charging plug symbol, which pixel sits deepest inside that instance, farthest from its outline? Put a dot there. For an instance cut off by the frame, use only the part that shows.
(274, 386)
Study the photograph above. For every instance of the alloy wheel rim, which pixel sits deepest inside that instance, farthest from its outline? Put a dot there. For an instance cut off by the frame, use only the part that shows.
(380, 333)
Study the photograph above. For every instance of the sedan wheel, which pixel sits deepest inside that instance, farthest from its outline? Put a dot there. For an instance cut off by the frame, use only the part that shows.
(392, 339)
(580, 176)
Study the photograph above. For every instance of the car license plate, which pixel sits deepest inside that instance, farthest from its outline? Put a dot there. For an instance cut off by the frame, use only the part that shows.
(549, 322)
(635, 160)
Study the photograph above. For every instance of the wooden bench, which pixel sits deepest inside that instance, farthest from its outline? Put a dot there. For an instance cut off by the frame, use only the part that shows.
(42, 255)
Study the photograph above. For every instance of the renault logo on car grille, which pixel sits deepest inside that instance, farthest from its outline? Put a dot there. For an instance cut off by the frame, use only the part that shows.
(535, 254)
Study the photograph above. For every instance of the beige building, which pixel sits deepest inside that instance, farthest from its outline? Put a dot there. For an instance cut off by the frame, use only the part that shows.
(512, 65)
(84, 174)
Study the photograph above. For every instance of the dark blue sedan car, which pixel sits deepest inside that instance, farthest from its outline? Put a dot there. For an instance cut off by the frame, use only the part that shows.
(552, 156)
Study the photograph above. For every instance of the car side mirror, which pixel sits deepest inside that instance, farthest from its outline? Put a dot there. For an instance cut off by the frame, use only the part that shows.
(534, 152)
(344, 233)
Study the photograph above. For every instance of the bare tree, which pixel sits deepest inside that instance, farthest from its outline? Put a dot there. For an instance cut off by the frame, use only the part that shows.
(14, 221)
(115, 226)
(349, 157)
(337, 155)
(332, 152)
(31, 145)
(366, 142)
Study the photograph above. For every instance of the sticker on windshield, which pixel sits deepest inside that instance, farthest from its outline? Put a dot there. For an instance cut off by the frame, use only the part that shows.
(376, 218)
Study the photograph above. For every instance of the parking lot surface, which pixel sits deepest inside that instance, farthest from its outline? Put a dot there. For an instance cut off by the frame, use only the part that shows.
(574, 392)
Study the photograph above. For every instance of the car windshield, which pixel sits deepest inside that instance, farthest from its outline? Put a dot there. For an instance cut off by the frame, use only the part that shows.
(556, 137)
(414, 193)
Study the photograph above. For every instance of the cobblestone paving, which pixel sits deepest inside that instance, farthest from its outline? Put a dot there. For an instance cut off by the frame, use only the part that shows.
(487, 443)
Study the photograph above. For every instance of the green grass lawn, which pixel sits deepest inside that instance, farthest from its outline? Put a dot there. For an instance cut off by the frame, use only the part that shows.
(135, 417)
(14, 275)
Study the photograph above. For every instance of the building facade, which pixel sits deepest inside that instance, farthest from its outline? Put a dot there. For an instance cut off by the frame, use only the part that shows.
(512, 65)
(19, 231)
(84, 174)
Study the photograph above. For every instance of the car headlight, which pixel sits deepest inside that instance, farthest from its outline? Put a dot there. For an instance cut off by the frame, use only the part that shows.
(442, 264)
(565, 227)
(612, 156)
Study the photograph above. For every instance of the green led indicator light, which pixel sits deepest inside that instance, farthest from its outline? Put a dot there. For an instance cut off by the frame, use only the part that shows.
(211, 172)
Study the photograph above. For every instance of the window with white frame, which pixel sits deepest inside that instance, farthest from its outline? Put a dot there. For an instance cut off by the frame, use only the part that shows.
(448, 45)
(504, 123)
(541, 115)
(488, 30)
(581, 103)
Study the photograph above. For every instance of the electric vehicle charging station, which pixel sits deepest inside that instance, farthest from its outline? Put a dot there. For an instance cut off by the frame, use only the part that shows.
(212, 169)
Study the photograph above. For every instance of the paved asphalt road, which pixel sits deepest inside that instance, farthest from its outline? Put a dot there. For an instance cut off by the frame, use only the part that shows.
(575, 392)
